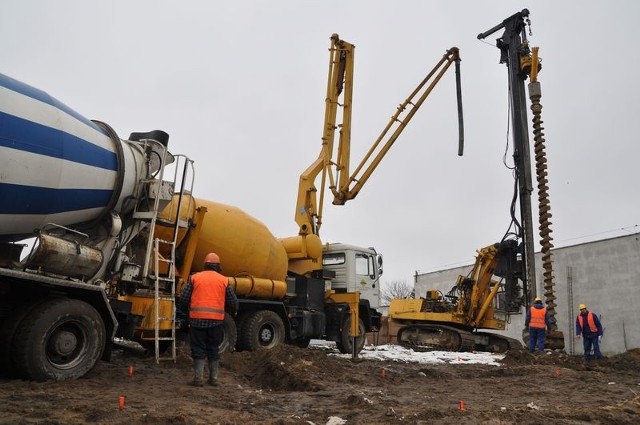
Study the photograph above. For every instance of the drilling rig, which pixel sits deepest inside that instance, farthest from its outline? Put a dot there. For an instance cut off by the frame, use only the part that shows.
(522, 63)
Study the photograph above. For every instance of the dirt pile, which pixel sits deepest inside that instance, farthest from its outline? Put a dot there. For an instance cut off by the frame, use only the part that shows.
(313, 386)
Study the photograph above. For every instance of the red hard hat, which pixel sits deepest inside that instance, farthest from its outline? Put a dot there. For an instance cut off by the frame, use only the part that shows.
(212, 258)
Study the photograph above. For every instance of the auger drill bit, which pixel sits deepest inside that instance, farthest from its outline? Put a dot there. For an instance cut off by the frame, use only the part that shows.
(555, 338)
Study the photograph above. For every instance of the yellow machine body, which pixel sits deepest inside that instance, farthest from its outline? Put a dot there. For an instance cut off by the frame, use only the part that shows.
(453, 321)
(250, 255)
(416, 310)
(143, 305)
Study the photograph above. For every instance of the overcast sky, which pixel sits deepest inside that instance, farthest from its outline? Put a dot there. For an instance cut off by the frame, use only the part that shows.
(240, 88)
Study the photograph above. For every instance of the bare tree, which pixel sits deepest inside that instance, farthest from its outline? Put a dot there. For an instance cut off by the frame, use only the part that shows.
(396, 289)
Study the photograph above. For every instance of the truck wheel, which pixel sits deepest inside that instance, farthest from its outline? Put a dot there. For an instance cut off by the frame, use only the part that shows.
(61, 339)
(230, 334)
(262, 329)
(7, 331)
(344, 342)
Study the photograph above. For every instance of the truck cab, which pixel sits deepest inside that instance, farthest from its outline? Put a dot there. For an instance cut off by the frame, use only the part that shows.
(356, 269)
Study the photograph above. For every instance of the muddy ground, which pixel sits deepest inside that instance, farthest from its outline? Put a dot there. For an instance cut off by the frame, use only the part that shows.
(312, 386)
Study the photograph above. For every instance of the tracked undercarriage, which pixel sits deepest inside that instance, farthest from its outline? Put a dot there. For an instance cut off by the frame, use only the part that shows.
(434, 337)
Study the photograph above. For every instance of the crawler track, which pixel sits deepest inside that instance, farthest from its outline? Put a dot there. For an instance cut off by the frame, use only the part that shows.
(422, 337)
(435, 337)
(494, 343)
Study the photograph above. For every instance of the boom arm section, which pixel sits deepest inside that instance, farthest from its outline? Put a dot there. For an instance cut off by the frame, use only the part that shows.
(308, 210)
(343, 185)
(348, 186)
(477, 291)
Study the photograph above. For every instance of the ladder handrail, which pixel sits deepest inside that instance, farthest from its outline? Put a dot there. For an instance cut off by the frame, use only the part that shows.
(153, 248)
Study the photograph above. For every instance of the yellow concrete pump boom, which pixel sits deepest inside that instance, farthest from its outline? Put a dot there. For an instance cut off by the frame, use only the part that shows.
(335, 169)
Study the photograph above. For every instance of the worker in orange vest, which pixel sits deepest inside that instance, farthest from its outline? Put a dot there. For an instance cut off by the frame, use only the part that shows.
(538, 319)
(588, 325)
(206, 296)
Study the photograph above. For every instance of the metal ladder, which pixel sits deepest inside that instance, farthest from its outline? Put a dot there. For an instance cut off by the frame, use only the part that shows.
(164, 286)
(164, 296)
(160, 291)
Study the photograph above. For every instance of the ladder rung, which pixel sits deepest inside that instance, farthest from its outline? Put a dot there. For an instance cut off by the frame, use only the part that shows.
(163, 278)
(166, 279)
(170, 223)
(160, 244)
(144, 215)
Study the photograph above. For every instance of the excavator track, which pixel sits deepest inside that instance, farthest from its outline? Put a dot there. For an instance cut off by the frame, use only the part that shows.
(494, 343)
(420, 337)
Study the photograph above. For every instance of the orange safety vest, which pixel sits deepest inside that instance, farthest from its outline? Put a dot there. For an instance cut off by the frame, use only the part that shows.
(537, 318)
(590, 322)
(207, 298)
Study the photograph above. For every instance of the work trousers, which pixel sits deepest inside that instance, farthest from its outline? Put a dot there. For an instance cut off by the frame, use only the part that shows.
(205, 342)
(536, 338)
(589, 341)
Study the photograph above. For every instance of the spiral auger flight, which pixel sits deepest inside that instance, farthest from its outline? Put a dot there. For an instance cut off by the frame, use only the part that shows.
(544, 205)
(555, 338)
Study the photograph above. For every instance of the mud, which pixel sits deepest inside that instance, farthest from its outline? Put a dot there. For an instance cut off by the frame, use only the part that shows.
(314, 386)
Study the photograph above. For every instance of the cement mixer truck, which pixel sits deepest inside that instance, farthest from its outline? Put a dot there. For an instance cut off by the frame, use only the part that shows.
(295, 289)
(112, 232)
(277, 305)
(86, 202)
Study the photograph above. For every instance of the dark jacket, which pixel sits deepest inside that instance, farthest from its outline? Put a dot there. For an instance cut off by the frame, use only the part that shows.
(231, 305)
(585, 329)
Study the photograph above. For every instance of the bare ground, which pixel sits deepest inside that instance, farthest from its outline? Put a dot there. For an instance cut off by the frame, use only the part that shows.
(310, 386)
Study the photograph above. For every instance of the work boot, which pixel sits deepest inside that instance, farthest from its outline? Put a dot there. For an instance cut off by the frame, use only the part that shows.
(198, 372)
(213, 373)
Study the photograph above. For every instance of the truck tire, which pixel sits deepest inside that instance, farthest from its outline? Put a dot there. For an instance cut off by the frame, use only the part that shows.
(7, 331)
(61, 339)
(230, 334)
(262, 329)
(344, 343)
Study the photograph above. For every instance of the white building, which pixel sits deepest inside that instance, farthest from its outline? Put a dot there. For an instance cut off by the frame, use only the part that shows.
(604, 275)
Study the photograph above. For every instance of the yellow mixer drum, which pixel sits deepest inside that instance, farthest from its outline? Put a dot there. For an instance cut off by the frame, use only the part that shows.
(244, 244)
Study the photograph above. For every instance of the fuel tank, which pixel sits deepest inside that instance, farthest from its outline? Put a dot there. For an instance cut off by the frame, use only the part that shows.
(247, 249)
(56, 166)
